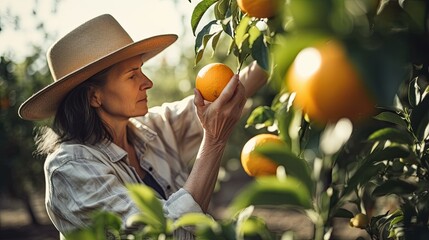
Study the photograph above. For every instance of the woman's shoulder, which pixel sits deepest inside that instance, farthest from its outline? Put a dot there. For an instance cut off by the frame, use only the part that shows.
(68, 152)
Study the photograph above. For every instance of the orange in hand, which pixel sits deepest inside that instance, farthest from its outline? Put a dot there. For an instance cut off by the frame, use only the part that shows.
(255, 164)
(212, 79)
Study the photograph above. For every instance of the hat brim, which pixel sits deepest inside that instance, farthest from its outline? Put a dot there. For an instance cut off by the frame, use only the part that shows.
(45, 102)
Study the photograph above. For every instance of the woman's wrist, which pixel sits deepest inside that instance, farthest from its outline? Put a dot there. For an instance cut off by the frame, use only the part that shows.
(213, 141)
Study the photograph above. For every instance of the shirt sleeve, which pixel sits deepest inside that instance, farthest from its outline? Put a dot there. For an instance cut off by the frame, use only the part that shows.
(182, 119)
(180, 203)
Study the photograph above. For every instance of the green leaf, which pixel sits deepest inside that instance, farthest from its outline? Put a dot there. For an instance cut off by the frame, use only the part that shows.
(393, 135)
(102, 223)
(202, 38)
(391, 117)
(272, 191)
(227, 28)
(417, 11)
(388, 153)
(396, 220)
(205, 233)
(215, 40)
(371, 166)
(394, 186)
(260, 52)
(205, 31)
(199, 11)
(420, 119)
(254, 226)
(195, 219)
(294, 166)
(221, 8)
(254, 33)
(362, 176)
(80, 234)
(241, 31)
(285, 116)
(414, 94)
(150, 206)
(261, 115)
(106, 221)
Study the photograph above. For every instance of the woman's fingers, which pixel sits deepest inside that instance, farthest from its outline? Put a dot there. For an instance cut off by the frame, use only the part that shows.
(228, 91)
(218, 118)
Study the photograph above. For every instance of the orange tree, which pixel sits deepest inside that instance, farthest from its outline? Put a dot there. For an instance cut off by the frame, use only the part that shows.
(352, 105)
(21, 173)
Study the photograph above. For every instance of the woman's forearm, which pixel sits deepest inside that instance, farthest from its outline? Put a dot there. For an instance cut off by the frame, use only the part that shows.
(218, 119)
(202, 179)
(253, 77)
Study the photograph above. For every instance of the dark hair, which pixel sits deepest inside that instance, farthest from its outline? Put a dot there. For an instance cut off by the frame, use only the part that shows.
(75, 119)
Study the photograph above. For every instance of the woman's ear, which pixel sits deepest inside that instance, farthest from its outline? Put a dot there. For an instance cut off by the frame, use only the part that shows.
(94, 97)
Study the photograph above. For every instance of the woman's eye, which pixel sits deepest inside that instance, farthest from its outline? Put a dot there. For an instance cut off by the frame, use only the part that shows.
(132, 76)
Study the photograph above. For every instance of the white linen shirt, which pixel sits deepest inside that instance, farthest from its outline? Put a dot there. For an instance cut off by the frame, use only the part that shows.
(82, 178)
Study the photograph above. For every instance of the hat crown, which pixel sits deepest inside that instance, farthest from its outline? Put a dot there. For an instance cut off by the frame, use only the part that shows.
(89, 42)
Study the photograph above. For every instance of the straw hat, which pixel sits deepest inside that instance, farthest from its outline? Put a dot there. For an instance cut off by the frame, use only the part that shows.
(88, 49)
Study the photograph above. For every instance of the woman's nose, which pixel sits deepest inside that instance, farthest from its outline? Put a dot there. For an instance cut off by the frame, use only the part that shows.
(146, 82)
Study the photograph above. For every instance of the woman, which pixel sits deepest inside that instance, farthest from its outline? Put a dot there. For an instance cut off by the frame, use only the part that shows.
(104, 136)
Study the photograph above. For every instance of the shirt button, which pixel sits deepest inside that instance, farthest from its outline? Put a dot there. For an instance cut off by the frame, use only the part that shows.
(150, 169)
(168, 187)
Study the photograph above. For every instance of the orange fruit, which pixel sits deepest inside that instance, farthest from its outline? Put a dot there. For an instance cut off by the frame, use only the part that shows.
(259, 8)
(327, 85)
(212, 79)
(359, 221)
(255, 164)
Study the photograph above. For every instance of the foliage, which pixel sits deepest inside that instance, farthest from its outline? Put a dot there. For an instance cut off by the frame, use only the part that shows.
(21, 172)
(151, 223)
(384, 156)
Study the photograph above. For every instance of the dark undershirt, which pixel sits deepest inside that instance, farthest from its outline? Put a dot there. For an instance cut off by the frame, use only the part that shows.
(151, 182)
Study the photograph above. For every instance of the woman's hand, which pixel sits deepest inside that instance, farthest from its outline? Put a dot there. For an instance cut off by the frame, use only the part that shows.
(218, 118)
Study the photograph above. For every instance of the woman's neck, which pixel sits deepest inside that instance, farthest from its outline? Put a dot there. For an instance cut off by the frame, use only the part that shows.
(119, 133)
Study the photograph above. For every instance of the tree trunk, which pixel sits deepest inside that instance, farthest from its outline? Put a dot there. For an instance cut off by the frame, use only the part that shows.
(29, 208)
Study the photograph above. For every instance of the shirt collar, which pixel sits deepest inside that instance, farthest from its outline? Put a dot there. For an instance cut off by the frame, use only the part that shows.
(144, 132)
(115, 153)
(111, 150)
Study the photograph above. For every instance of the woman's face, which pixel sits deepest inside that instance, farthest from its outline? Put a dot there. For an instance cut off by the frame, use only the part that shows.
(124, 93)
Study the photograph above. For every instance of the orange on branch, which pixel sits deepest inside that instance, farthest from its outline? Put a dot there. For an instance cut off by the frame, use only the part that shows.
(254, 164)
(328, 87)
(212, 79)
(359, 221)
(259, 8)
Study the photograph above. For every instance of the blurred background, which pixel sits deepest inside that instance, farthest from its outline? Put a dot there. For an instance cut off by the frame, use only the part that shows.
(27, 30)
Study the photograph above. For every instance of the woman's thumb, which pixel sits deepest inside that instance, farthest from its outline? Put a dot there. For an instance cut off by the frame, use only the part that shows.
(198, 98)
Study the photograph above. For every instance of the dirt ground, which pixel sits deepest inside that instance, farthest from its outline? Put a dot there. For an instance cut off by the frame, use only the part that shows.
(15, 223)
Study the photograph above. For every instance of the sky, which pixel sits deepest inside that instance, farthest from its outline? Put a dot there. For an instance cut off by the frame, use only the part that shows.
(140, 18)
